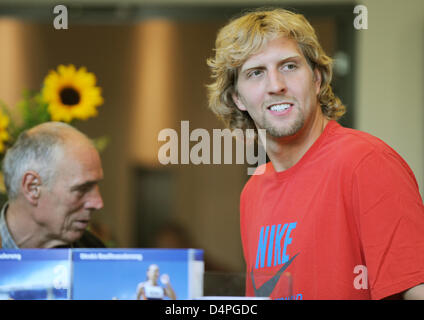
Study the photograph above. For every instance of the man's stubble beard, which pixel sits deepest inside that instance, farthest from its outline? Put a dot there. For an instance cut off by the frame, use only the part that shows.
(281, 132)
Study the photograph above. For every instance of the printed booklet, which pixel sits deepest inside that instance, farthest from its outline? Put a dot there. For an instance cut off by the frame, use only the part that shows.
(35, 274)
(101, 274)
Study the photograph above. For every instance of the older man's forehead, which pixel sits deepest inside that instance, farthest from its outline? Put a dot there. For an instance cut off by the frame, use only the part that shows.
(83, 177)
(84, 184)
(79, 166)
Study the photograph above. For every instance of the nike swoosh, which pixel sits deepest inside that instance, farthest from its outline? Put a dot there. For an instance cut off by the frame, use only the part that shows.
(266, 289)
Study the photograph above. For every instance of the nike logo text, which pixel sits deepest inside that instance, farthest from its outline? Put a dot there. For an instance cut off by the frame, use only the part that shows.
(270, 245)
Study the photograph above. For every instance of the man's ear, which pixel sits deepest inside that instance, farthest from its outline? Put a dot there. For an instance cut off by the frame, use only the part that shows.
(317, 80)
(31, 186)
(240, 105)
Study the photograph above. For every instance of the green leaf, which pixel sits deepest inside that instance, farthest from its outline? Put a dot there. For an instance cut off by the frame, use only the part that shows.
(101, 143)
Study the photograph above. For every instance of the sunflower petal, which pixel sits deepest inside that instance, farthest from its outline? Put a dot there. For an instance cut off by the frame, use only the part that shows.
(83, 82)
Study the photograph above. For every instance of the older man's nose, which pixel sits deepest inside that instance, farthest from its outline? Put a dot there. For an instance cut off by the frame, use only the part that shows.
(95, 200)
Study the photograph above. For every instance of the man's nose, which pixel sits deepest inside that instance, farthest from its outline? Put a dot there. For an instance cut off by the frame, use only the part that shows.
(95, 201)
(276, 82)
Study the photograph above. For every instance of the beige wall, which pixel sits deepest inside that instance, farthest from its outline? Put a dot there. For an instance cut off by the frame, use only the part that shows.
(390, 82)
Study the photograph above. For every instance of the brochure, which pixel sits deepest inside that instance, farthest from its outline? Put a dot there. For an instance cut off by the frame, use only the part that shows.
(137, 274)
(101, 274)
(35, 274)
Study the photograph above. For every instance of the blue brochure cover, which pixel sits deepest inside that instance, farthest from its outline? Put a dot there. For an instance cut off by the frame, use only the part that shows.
(101, 274)
(35, 274)
(137, 274)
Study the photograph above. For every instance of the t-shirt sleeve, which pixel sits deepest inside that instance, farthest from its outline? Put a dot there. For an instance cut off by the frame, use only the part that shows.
(390, 216)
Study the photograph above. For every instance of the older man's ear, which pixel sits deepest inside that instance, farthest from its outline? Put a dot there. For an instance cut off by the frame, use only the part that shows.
(31, 187)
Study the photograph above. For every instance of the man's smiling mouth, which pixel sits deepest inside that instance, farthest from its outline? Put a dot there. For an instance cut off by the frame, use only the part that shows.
(280, 107)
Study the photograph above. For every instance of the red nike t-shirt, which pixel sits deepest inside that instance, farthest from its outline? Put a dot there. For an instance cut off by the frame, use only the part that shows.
(345, 222)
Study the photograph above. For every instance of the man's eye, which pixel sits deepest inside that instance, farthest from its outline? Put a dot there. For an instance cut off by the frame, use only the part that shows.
(83, 190)
(80, 192)
(254, 73)
(289, 67)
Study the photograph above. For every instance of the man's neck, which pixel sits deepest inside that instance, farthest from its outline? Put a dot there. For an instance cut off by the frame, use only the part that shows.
(285, 152)
(24, 230)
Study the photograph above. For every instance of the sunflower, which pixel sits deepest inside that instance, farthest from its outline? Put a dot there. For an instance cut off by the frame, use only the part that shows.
(71, 94)
(4, 135)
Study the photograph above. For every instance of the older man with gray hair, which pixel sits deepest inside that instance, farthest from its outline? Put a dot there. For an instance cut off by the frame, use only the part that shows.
(51, 176)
